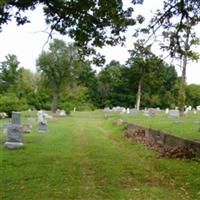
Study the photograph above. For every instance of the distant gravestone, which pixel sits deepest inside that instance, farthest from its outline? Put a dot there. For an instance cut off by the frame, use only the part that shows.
(14, 133)
(128, 110)
(62, 113)
(173, 113)
(152, 112)
(134, 111)
(42, 123)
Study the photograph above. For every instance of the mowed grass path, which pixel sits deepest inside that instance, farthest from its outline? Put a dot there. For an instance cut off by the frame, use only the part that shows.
(85, 157)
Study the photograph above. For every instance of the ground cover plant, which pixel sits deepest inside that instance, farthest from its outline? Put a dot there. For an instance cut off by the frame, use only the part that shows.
(85, 156)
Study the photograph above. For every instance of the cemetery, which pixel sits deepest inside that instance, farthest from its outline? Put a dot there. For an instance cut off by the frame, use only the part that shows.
(85, 155)
(100, 100)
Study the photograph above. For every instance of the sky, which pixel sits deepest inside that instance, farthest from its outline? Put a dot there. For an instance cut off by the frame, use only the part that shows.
(27, 41)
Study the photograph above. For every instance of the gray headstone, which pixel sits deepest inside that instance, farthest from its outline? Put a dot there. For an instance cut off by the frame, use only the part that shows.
(173, 113)
(15, 118)
(14, 133)
(42, 127)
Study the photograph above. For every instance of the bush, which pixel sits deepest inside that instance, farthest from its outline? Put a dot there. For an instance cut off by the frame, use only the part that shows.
(10, 102)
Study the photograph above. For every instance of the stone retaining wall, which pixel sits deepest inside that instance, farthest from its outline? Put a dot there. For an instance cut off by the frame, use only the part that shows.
(167, 139)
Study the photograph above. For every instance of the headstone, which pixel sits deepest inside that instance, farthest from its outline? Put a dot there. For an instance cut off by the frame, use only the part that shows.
(42, 127)
(15, 118)
(167, 110)
(198, 108)
(128, 110)
(42, 123)
(173, 113)
(14, 133)
(62, 113)
(189, 108)
(152, 112)
(134, 111)
(74, 109)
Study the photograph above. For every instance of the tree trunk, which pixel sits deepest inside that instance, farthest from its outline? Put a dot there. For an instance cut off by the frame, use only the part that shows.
(54, 100)
(138, 95)
(182, 88)
(181, 98)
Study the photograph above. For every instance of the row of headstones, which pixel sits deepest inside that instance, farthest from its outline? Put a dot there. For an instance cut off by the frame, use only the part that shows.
(147, 112)
(15, 130)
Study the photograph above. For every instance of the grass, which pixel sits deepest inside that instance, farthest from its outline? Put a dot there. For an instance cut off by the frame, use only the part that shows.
(85, 157)
(186, 127)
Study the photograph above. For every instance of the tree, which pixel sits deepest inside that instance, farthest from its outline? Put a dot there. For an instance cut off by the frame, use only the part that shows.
(9, 74)
(56, 65)
(91, 23)
(144, 66)
(193, 95)
(113, 85)
(178, 20)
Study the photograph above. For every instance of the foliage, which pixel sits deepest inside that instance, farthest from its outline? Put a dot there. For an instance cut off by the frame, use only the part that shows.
(9, 74)
(56, 66)
(10, 102)
(89, 23)
(193, 95)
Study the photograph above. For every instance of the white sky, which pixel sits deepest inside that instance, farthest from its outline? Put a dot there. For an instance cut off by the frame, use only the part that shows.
(27, 41)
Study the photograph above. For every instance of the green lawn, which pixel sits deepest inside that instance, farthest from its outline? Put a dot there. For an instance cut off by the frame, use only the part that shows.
(86, 157)
(186, 127)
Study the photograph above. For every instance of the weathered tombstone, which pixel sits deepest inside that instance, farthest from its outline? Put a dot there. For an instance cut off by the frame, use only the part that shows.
(167, 110)
(42, 123)
(173, 113)
(134, 111)
(14, 133)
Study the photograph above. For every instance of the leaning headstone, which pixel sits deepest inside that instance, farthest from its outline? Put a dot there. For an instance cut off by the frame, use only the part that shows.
(14, 133)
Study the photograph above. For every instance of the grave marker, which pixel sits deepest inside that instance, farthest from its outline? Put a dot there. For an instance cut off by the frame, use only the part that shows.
(14, 133)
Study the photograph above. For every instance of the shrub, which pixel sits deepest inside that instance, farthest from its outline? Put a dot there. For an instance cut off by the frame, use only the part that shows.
(10, 102)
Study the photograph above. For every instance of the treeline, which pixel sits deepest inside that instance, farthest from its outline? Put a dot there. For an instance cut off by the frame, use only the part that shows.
(76, 84)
